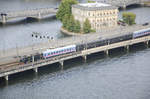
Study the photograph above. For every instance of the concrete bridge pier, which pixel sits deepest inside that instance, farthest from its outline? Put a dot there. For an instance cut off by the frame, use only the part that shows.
(85, 58)
(35, 69)
(107, 52)
(3, 18)
(147, 44)
(6, 78)
(127, 48)
(39, 15)
(62, 64)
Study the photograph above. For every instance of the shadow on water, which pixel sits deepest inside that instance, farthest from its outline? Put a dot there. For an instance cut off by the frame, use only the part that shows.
(30, 75)
(73, 63)
(133, 6)
(117, 52)
(27, 21)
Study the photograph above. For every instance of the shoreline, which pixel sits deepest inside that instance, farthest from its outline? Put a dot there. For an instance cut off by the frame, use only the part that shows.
(69, 33)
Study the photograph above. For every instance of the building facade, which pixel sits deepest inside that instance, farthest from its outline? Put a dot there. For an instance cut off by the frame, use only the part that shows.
(101, 16)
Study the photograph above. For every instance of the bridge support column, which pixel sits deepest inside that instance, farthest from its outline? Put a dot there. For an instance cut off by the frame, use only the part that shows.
(6, 78)
(35, 69)
(85, 58)
(127, 48)
(3, 19)
(107, 52)
(39, 15)
(147, 43)
(62, 64)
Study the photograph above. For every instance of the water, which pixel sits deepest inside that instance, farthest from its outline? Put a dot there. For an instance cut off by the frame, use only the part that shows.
(120, 76)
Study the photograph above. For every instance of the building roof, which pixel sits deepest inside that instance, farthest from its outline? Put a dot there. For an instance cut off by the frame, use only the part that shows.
(94, 6)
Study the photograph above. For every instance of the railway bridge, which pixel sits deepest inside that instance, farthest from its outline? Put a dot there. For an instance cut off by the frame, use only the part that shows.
(7, 71)
(34, 13)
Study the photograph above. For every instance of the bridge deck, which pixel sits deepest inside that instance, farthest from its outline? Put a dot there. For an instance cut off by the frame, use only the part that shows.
(35, 13)
(20, 68)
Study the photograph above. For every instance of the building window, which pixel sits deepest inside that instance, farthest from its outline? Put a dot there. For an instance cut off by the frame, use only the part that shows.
(97, 25)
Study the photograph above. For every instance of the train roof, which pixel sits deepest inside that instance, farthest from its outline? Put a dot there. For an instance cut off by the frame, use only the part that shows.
(142, 30)
(49, 50)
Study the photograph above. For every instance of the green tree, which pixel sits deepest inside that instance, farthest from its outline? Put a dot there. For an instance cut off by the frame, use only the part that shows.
(129, 18)
(65, 8)
(65, 20)
(77, 26)
(70, 24)
(86, 26)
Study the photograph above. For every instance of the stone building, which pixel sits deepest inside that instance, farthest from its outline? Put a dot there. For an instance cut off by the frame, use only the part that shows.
(101, 16)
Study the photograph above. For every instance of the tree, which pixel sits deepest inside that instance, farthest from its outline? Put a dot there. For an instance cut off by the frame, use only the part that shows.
(65, 8)
(65, 20)
(77, 26)
(70, 24)
(86, 26)
(129, 18)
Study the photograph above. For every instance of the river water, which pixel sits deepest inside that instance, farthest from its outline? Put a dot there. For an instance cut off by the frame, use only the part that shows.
(122, 75)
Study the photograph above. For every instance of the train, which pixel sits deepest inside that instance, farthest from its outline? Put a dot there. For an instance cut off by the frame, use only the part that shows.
(49, 53)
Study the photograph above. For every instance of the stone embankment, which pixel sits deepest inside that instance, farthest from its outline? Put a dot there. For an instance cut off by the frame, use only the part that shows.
(69, 33)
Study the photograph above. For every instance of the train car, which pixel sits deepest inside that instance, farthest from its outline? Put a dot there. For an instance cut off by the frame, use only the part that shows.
(80, 47)
(97, 43)
(140, 33)
(120, 38)
(59, 51)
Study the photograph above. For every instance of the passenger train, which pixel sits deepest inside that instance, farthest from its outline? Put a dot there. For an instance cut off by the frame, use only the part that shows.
(58, 51)
(79, 47)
